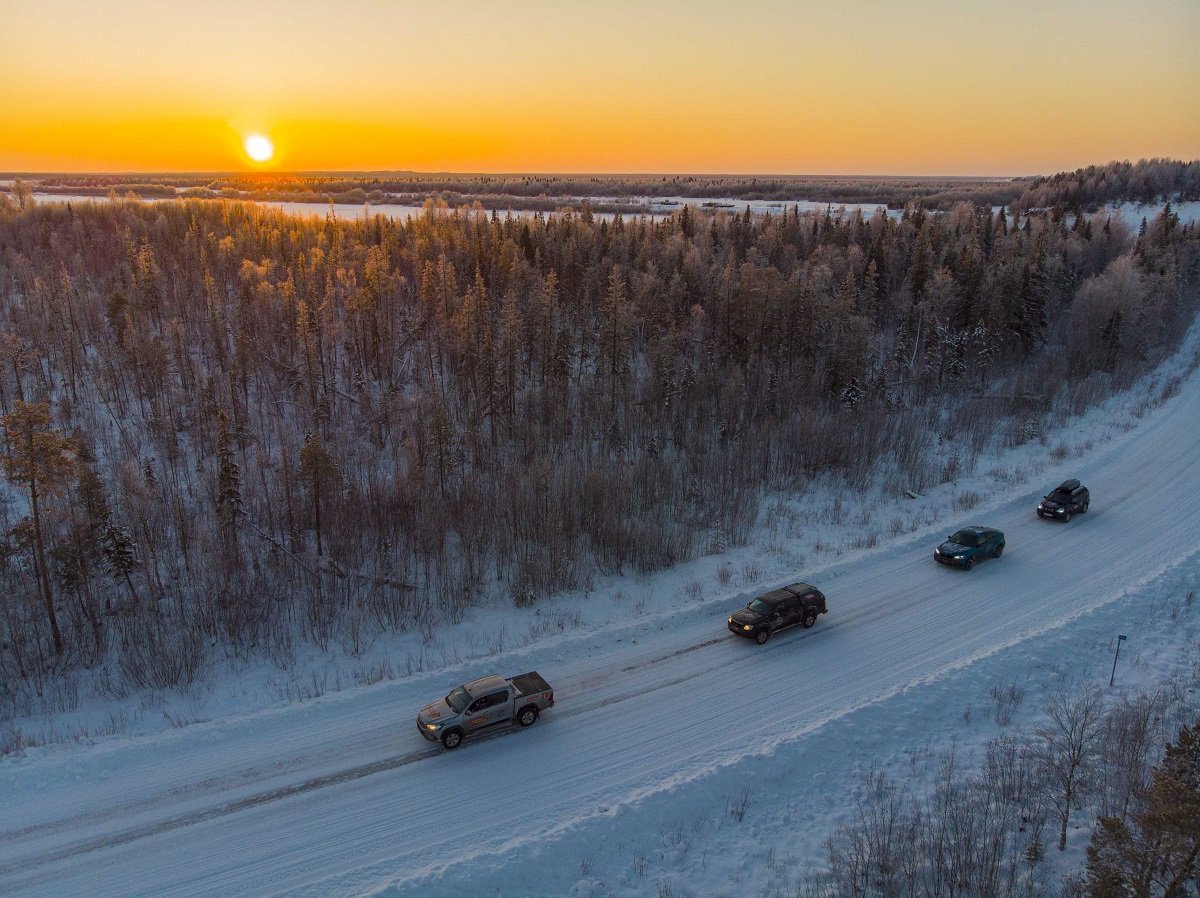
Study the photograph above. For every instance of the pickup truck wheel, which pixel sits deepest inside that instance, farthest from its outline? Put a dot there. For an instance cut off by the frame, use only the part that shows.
(762, 635)
(969, 563)
(1066, 517)
(527, 716)
(451, 739)
(998, 551)
(810, 618)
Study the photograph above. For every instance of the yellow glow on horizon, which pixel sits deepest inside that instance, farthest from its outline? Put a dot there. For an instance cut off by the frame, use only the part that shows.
(259, 148)
(771, 86)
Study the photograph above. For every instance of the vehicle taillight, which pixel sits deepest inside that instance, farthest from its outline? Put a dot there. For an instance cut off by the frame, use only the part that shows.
(548, 696)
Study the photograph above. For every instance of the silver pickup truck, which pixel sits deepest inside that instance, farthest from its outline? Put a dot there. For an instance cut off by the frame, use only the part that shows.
(483, 704)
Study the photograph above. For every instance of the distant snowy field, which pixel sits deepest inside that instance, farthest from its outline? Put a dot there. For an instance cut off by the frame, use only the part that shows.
(1131, 213)
(313, 780)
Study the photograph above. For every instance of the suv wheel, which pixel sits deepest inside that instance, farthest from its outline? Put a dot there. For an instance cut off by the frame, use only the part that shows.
(969, 563)
(451, 739)
(998, 551)
(762, 635)
(1066, 517)
(1084, 509)
(810, 617)
(527, 716)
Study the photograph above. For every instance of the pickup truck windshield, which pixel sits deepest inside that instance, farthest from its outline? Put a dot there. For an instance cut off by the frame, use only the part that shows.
(458, 700)
(760, 607)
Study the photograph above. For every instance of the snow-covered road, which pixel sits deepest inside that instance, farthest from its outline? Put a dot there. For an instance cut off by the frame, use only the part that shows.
(342, 796)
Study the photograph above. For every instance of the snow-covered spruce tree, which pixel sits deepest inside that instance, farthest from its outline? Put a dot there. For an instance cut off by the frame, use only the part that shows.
(614, 344)
(15, 360)
(321, 475)
(228, 498)
(120, 556)
(41, 460)
(79, 555)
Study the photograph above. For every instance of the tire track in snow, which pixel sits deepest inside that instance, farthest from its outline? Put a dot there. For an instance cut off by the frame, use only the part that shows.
(781, 643)
(343, 776)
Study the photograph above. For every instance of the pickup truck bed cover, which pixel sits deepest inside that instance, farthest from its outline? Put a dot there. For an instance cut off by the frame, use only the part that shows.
(529, 683)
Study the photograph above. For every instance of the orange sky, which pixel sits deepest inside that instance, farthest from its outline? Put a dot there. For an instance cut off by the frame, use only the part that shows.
(785, 86)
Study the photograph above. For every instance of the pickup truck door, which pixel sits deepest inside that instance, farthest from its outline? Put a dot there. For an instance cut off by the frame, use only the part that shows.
(489, 710)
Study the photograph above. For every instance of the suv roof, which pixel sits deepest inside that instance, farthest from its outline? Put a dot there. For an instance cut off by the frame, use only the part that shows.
(1068, 486)
(785, 592)
(976, 529)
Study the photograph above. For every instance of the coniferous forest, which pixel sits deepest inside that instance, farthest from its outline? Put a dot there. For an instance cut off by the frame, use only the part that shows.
(227, 429)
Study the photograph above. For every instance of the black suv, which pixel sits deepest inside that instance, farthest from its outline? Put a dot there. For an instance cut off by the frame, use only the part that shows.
(777, 610)
(1070, 497)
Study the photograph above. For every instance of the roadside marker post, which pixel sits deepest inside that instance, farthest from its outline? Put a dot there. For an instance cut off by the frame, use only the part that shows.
(1113, 675)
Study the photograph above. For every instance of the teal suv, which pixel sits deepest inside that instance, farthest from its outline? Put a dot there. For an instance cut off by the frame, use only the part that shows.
(969, 545)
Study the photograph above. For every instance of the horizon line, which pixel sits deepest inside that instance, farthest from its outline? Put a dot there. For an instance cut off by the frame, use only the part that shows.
(500, 174)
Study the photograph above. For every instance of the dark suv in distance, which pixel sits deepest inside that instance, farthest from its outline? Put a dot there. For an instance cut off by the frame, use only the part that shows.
(777, 610)
(1068, 498)
(968, 545)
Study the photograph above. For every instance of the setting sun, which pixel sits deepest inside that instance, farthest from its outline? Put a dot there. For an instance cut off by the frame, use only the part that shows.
(259, 148)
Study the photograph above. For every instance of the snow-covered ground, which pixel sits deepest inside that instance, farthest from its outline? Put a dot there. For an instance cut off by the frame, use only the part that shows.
(664, 721)
(1133, 213)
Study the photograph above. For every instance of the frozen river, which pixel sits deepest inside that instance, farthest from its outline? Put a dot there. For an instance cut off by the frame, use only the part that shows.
(657, 207)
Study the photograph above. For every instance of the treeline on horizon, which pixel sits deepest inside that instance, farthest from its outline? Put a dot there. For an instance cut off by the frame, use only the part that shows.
(1147, 181)
(1086, 189)
(548, 193)
(227, 429)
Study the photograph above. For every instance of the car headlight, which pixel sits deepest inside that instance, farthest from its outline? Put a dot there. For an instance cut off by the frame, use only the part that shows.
(433, 727)
(747, 627)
